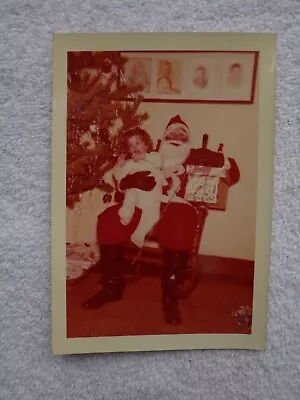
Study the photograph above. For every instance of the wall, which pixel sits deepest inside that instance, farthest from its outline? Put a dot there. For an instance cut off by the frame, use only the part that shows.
(230, 233)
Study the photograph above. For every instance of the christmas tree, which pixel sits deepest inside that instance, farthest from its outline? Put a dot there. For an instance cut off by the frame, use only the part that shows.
(100, 108)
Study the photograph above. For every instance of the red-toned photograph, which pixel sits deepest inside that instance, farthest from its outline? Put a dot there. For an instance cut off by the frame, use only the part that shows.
(161, 194)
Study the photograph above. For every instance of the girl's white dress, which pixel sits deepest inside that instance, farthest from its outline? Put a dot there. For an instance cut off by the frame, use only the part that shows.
(148, 201)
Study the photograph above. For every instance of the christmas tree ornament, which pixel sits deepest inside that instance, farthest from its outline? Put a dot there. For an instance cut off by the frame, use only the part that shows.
(107, 198)
(87, 141)
(115, 153)
(100, 181)
(94, 128)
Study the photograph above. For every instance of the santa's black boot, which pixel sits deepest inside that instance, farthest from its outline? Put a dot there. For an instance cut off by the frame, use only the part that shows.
(113, 282)
(173, 275)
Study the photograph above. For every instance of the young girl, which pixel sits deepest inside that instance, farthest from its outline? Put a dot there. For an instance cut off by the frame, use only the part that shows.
(138, 156)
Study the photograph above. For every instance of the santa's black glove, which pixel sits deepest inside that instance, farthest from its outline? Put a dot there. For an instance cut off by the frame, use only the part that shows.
(205, 157)
(119, 197)
(139, 180)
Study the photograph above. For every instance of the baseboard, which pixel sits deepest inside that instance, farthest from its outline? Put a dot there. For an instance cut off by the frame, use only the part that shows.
(213, 267)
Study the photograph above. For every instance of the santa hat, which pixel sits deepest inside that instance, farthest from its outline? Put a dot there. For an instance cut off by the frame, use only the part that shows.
(174, 123)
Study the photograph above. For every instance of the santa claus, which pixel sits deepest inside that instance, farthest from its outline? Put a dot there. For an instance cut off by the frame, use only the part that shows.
(176, 228)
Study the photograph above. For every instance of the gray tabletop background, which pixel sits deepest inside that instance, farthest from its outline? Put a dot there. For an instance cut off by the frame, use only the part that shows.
(28, 370)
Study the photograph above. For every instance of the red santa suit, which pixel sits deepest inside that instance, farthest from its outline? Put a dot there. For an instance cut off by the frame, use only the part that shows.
(177, 226)
(175, 229)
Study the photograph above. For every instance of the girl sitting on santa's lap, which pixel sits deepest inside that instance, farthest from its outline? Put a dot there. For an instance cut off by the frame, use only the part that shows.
(137, 156)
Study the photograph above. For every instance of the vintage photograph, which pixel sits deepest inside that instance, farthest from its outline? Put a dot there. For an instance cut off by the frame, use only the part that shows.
(160, 197)
(147, 249)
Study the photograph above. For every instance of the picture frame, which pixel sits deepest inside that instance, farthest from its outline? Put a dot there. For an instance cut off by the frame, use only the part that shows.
(263, 47)
(194, 76)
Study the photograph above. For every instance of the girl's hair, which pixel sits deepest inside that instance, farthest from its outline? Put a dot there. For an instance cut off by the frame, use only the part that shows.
(141, 133)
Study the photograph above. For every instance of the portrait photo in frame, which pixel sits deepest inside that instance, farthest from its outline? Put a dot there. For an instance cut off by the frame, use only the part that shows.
(238, 76)
(201, 81)
(146, 268)
(169, 76)
(138, 72)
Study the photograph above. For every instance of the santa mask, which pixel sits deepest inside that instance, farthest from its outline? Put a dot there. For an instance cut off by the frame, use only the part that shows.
(175, 145)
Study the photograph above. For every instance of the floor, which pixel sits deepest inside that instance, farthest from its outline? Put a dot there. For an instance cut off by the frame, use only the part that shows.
(224, 286)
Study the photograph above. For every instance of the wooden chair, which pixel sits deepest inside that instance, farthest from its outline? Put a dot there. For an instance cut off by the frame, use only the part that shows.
(151, 254)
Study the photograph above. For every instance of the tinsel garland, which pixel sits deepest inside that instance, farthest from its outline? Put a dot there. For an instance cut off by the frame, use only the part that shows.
(101, 107)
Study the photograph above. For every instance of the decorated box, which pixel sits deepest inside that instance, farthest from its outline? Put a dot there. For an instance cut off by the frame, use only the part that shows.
(207, 185)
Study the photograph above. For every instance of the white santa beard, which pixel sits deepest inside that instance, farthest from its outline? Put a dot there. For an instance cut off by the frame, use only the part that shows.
(174, 156)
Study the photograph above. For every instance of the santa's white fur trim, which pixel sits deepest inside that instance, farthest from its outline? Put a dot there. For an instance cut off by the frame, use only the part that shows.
(173, 156)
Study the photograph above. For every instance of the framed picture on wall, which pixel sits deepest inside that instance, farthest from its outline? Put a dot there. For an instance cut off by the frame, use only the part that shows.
(200, 78)
(238, 76)
(168, 77)
(193, 77)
